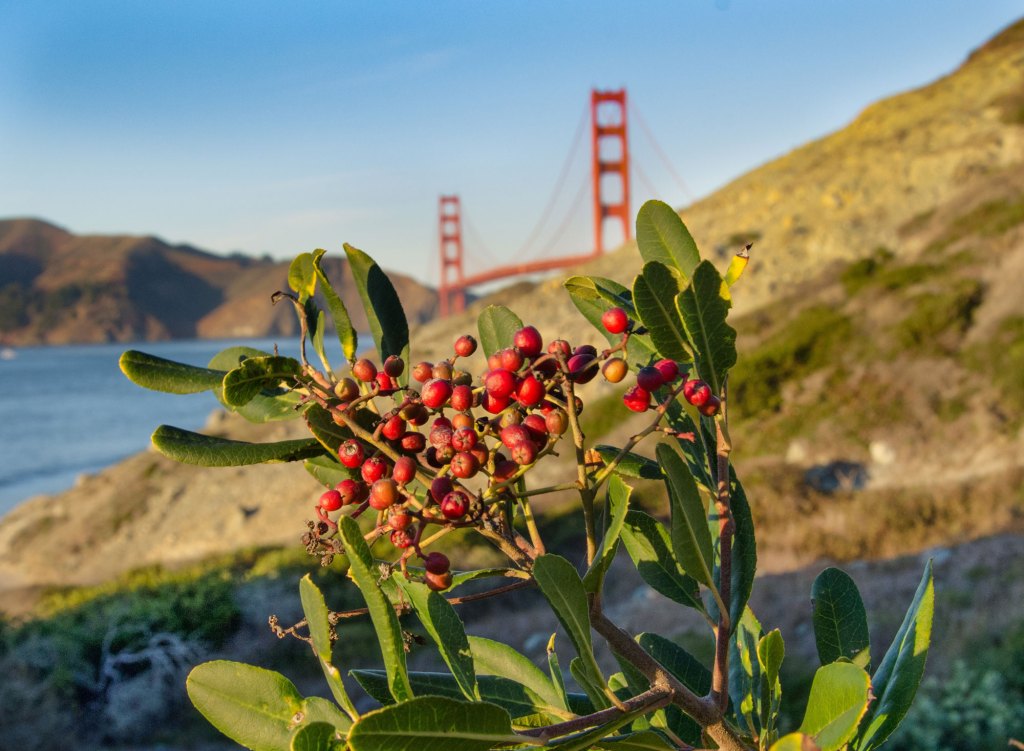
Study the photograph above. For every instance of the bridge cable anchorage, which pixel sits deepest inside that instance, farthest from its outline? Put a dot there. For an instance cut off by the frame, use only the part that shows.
(680, 183)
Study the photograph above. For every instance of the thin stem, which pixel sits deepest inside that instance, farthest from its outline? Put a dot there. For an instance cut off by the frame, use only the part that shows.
(531, 525)
(586, 491)
(652, 699)
(726, 529)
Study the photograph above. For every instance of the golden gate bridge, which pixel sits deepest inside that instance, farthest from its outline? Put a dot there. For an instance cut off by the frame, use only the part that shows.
(610, 171)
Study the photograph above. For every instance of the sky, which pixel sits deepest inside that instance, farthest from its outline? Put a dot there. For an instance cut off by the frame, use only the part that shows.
(280, 127)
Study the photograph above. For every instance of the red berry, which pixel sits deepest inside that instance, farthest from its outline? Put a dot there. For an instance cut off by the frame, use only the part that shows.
(374, 468)
(423, 371)
(504, 470)
(494, 361)
(615, 370)
(401, 538)
(352, 491)
(437, 563)
(537, 427)
(399, 520)
(582, 367)
(530, 392)
(413, 442)
(440, 487)
(513, 435)
(346, 389)
(649, 378)
(386, 385)
(404, 470)
(435, 393)
(481, 454)
(465, 345)
(500, 383)
(529, 341)
(462, 420)
(696, 392)
(557, 421)
(585, 349)
(351, 454)
(464, 465)
(455, 505)
(560, 346)
(494, 404)
(394, 366)
(637, 399)
(510, 359)
(415, 414)
(615, 320)
(710, 407)
(462, 398)
(441, 433)
(384, 494)
(669, 370)
(393, 428)
(438, 582)
(442, 370)
(331, 501)
(524, 453)
(364, 370)
(464, 439)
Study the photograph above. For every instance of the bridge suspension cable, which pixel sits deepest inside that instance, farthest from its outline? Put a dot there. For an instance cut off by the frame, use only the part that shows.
(662, 156)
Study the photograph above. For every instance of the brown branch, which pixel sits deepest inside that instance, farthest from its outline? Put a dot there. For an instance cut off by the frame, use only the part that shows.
(726, 529)
(652, 699)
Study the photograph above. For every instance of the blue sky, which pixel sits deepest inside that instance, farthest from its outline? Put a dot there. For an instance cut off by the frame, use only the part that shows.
(278, 127)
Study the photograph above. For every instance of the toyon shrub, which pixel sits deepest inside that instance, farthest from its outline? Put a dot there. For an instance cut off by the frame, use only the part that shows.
(405, 462)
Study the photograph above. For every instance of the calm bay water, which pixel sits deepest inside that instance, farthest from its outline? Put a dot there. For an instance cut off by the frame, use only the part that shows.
(65, 411)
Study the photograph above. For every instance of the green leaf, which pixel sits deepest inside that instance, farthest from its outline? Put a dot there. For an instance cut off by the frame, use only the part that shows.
(744, 550)
(318, 709)
(254, 707)
(839, 697)
(745, 673)
(562, 587)
(432, 723)
(594, 691)
(207, 451)
(794, 742)
(840, 620)
(691, 539)
(257, 374)
(703, 312)
(771, 650)
(899, 674)
(632, 465)
(588, 738)
(388, 325)
(646, 740)
(497, 326)
(347, 337)
(557, 680)
(327, 470)
(617, 505)
(654, 293)
(317, 736)
(662, 236)
(592, 296)
(650, 548)
(158, 374)
(445, 627)
(316, 332)
(315, 610)
(325, 429)
(688, 670)
(261, 408)
(389, 632)
(497, 658)
(302, 276)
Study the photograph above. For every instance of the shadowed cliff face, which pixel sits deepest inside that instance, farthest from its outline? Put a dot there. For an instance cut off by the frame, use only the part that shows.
(59, 288)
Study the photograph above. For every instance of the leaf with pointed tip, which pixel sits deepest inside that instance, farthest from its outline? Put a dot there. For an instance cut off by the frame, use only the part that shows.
(646, 740)
(208, 451)
(650, 548)
(744, 551)
(317, 322)
(899, 674)
(617, 505)
(364, 572)
(444, 626)
(703, 312)
(557, 680)
(594, 691)
(688, 670)
(588, 738)
(257, 374)
(315, 609)
(497, 658)
(388, 324)
(840, 620)
(771, 650)
(654, 294)
(632, 465)
(691, 538)
(745, 673)
(261, 408)
(662, 236)
(497, 326)
(302, 276)
(158, 374)
(562, 587)
(840, 693)
(432, 723)
(347, 337)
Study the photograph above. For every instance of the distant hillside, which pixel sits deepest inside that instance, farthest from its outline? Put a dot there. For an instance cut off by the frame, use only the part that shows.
(58, 288)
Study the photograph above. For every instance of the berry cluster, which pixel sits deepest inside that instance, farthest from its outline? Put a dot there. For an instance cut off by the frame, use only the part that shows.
(448, 454)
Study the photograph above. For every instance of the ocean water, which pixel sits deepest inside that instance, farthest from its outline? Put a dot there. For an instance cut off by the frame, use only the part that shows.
(66, 411)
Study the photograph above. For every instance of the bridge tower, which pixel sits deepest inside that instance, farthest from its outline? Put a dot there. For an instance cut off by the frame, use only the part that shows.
(452, 291)
(610, 163)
